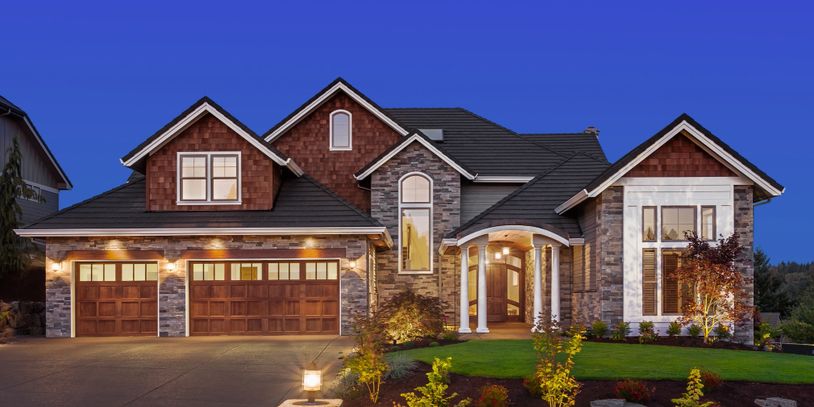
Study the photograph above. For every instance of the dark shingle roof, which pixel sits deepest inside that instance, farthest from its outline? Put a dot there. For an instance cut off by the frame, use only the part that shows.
(482, 145)
(630, 156)
(534, 203)
(301, 202)
(570, 143)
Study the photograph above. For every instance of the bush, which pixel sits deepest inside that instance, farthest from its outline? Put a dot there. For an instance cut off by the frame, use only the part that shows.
(711, 380)
(798, 331)
(695, 390)
(434, 393)
(633, 391)
(450, 335)
(765, 335)
(369, 362)
(599, 329)
(408, 316)
(558, 386)
(647, 332)
(533, 386)
(722, 332)
(346, 385)
(399, 366)
(434, 344)
(694, 330)
(621, 331)
(674, 329)
(493, 395)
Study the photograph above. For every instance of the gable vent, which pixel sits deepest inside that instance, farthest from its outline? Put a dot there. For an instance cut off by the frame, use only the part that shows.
(434, 134)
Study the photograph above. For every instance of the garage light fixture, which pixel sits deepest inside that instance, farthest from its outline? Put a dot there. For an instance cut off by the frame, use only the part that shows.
(171, 266)
(55, 266)
(312, 383)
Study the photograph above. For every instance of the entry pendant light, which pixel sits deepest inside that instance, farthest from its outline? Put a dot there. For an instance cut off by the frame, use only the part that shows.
(506, 251)
(498, 255)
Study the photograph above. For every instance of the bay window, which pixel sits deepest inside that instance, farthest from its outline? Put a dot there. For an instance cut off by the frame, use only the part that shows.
(415, 224)
(206, 178)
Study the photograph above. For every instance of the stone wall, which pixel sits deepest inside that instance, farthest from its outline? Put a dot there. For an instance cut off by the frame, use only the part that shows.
(445, 215)
(172, 284)
(744, 229)
(609, 254)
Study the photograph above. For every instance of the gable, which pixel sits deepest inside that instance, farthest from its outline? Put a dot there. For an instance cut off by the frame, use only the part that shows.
(680, 157)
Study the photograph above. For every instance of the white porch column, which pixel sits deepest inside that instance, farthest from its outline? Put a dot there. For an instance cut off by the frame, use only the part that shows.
(538, 284)
(482, 328)
(555, 282)
(464, 309)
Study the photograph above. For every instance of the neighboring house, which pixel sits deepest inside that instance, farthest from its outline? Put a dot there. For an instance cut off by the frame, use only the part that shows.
(41, 171)
(344, 203)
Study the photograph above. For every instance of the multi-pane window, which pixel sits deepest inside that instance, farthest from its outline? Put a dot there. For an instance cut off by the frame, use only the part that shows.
(30, 193)
(415, 230)
(673, 293)
(340, 130)
(247, 271)
(208, 177)
(676, 221)
(321, 270)
(208, 271)
(139, 272)
(708, 222)
(278, 270)
(108, 272)
(649, 224)
(649, 284)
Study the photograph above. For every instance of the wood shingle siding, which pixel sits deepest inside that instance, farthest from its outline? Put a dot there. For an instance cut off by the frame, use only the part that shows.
(680, 157)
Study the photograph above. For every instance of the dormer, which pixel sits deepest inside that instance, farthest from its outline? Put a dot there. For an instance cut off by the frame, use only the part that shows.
(206, 160)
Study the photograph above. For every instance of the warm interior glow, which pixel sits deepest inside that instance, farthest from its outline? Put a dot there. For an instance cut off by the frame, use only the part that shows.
(505, 251)
(312, 380)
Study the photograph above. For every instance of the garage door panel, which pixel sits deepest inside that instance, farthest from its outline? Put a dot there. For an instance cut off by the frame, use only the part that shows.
(219, 291)
(131, 291)
(239, 308)
(217, 308)
(108, 292)
(148, 308)
(238, 291)
(105, 327)
(87, 308)
(330, 307)
(292, 307)
(130, 309)
(106, 309)
(201, 292)
(258, 291)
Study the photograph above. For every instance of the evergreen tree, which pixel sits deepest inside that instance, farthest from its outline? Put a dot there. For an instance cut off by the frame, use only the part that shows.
(769, 294)
(14, 250)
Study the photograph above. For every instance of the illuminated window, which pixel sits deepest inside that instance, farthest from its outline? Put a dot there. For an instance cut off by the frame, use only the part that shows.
(208, 178)
(340, 130)
(415, 224)
(677, 220)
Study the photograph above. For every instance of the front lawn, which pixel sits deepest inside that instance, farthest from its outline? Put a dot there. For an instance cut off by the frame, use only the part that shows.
(611, 361)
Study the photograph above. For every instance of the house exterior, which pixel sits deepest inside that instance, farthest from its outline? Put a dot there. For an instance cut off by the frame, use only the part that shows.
(344, 203)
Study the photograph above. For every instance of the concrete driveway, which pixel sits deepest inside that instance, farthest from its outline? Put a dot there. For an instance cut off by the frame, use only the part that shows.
(200, 371)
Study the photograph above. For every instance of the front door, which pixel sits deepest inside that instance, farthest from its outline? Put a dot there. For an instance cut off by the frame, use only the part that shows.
(496, 292)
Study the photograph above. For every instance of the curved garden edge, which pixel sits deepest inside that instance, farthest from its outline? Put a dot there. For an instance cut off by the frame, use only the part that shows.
(515, 358)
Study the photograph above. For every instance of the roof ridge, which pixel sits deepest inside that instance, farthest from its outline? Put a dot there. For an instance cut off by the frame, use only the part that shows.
(85, 202)
(514, 193)
(339, 199)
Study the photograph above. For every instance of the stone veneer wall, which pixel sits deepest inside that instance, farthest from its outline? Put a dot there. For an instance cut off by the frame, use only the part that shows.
(172, 288)
(445, 215)
(609, 253)
(745, 228)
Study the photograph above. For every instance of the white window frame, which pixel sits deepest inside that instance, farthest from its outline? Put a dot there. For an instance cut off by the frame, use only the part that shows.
(331, 132)
(209, 200)
(413, 205)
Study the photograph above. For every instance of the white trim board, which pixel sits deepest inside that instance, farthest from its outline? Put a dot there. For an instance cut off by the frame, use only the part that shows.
(701, 139)
(428, 146)
(325, 96)
(201, 231)
(45, 149)
(193, 117)
(503, 179)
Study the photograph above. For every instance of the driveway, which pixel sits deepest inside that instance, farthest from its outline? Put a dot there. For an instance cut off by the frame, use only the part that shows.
(198, 371)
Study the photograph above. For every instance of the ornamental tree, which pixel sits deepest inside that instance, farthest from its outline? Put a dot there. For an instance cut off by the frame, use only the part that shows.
(14, 250)
(713, 285)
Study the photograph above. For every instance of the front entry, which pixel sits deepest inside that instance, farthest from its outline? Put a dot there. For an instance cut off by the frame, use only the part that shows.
(505, 294)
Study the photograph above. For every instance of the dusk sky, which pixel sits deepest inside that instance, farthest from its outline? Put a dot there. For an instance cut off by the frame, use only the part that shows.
(98, 78)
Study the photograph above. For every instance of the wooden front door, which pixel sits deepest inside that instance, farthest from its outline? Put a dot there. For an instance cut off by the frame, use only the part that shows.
(264, 297)
(496, 292)
(116, 299)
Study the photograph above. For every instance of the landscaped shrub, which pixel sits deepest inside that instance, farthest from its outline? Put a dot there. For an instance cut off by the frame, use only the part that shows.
(599, 329)
(450, 335)
(399, 366)
(434, 344)
(798, 331)
(722, 332)
(346, 385)
(694, 330)
(408, 316)
(434, 393)
(493, 395)
(558, 386)
(711, 380)
(633, 390)
(533, 386)
(647, 332)
(800, 327)
(620, 331)
(369, 362)
(764, 336)
(674, 329)
(695, 390)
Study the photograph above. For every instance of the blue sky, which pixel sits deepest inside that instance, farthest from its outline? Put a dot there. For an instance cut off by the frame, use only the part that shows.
(98, 78)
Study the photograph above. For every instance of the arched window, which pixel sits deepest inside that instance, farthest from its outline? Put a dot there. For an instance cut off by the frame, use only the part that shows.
(415, 224)
(340, 130)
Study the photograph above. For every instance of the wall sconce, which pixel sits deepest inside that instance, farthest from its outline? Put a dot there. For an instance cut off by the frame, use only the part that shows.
(56, 266)
(311, 383)
(352, 264)
(171, 266)
(506, 251)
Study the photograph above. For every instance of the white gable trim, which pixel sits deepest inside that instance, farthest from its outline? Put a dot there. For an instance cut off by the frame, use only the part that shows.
(425, 143)
(699, 137)
(322, 98)
(193, 117)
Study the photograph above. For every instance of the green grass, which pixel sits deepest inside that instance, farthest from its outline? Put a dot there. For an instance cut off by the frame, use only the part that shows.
(610, 361)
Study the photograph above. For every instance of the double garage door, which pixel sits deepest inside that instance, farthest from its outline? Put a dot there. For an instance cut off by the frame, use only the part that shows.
(225, 298)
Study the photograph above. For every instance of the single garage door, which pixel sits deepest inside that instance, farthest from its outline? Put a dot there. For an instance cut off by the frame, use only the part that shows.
(264, 297)
(116, 299)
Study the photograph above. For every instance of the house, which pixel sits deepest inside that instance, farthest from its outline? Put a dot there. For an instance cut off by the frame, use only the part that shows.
(344, 203)
(43, 178)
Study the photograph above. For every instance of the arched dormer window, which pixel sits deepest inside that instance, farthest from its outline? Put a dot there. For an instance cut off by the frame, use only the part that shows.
(415, 224)
(340, 130)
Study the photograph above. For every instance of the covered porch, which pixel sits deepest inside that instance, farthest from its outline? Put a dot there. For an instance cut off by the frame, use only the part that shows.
(510, 276)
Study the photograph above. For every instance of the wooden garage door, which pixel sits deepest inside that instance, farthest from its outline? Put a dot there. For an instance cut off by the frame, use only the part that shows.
(116, 299)
(264, 297)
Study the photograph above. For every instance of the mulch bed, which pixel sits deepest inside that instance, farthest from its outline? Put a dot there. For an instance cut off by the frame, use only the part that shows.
(421, 343)
(728, 394)
(683, 341)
